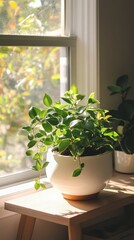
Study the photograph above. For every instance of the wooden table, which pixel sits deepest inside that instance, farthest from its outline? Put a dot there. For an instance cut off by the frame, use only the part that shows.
(49, 205)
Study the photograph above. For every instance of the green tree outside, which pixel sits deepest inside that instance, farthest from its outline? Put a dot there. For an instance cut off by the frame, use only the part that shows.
(25, 73)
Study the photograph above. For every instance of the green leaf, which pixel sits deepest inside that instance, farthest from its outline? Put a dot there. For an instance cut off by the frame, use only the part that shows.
(38, 162)
(47, 141)
(127, 142)
(38, 156)
(66, 121)
(59, 133)
(38, 118)
(92, 114)
(67, 100)
(29, 152)
(45, 164)
(27, 128)
(47, 126)
(53, 121)
(43, 149)
(122, 81)
(114, 89)
(61, 112)
(126, 110)
(38, 165)
(111, 134)
(81, 109)
(39, 135)
(77, 172)
(82, 165)
(75, 123)
(43, 113)
(30, 136)
(59, 105)
(120, 129)
(37, 184)
(33, 112)
(42, 132)
(74, 150)
(47, 100)
(89, 125)
(92, 100)
(76, 132)
(64, 144)
(80, 96)
(34, 168)
(31, 143)
(43, 185)
(34, 121)
(74, 89)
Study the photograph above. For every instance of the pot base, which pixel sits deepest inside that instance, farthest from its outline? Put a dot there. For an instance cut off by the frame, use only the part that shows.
(80, 197)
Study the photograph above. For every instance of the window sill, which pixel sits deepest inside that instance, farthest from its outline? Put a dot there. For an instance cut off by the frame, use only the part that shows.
(15, 191)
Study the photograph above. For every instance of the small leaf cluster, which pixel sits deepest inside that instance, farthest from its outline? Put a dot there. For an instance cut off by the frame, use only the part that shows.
(69, 128)
(124, 114)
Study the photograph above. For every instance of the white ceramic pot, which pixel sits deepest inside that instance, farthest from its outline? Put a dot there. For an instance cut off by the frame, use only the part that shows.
(95, 174)
(123, 162)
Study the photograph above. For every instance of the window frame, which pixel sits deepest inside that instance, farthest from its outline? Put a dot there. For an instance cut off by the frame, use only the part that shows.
(41, 41)
(81, 37)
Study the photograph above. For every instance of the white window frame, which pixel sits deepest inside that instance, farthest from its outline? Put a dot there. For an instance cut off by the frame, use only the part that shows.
(81, 36)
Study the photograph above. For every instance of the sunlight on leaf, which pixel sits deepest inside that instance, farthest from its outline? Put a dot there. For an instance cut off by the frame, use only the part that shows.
(47, 100)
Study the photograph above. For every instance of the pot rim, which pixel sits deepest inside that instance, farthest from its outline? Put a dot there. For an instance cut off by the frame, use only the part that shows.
(89, 156)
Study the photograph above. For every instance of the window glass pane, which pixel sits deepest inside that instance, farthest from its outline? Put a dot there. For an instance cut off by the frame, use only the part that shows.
(26, 73)
(38, 17)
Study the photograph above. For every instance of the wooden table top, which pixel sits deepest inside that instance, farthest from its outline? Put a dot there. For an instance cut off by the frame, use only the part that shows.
(50, 205)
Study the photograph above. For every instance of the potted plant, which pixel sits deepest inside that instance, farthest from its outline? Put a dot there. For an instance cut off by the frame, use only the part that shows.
(80, 139)
(124, 116)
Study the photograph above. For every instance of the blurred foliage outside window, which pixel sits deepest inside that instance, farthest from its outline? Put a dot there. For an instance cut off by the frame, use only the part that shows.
(26, 73)
(38, 17)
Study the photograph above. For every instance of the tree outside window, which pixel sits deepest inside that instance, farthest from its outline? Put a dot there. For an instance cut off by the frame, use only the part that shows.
(26, 72)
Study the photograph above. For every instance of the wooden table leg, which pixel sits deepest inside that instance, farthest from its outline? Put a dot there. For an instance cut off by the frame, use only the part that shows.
(26, 227)
(74, 232)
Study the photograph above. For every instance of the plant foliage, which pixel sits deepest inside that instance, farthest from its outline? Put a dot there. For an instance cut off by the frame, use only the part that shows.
(69, 128)
(124, 114)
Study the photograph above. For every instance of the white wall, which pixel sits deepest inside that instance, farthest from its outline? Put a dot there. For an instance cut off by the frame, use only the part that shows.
(116, 42)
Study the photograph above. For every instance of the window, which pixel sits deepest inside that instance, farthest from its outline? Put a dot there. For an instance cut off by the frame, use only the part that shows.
(34, 59)
(78, 61)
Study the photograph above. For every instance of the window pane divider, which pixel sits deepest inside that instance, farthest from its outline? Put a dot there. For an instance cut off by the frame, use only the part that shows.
(29, 40)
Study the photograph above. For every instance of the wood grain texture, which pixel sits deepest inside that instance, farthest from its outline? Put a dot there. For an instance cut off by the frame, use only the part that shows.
(50, 205)
(26, 227)
(74, 232)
